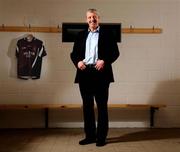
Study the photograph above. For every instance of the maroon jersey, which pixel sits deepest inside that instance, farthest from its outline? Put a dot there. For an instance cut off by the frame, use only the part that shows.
(29, 58)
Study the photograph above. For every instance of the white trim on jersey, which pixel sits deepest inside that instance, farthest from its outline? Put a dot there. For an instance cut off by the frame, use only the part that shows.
(17, 49)
(41, 51)
(35, 59)
(38, 54)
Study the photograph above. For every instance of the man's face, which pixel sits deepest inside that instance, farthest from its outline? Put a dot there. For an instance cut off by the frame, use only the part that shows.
(93, 20)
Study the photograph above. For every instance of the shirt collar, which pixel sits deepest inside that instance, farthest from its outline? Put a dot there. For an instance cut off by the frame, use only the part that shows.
(97, 30)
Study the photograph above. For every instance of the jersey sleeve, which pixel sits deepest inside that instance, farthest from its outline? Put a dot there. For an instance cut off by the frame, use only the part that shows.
(42, 51)
(17, 49)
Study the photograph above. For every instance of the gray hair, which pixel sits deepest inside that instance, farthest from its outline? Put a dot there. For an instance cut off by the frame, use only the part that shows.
(93, 10)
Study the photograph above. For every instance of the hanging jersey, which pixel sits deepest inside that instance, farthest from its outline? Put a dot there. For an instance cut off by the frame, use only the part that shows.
(29, 58)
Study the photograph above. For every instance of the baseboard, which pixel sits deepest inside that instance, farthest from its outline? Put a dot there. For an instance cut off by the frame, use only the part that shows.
(111, 125)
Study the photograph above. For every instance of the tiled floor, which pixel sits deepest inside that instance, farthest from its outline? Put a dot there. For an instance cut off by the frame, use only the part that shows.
(66, 140)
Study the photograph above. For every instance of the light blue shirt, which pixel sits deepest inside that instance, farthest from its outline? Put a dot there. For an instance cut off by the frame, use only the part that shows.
(91, 52)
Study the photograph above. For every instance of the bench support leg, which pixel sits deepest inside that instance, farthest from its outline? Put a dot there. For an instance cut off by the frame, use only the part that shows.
(152, 112)
(46, 115)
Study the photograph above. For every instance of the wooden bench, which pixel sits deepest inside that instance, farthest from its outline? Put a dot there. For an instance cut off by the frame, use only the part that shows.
(151, 107)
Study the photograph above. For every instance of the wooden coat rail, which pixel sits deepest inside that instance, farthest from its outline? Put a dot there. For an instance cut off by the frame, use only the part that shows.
(59, 30)
(141, 30)
(30, 29)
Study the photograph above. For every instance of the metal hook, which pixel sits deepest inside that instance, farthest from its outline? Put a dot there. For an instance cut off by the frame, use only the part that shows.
(131, 28)
(59, 29)
(153, 28)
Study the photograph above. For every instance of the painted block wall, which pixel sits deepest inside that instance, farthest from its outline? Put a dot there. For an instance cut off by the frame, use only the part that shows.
(148, 70)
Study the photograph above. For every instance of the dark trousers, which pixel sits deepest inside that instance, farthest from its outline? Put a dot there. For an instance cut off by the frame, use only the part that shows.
(94, 88)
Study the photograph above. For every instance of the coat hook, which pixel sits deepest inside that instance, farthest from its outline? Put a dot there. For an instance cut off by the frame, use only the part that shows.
(29, 27)
(3, 26)
(131, 28)
(153, 28)
(58, 27)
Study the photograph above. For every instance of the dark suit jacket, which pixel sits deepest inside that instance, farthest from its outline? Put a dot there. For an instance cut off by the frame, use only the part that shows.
(107, 51)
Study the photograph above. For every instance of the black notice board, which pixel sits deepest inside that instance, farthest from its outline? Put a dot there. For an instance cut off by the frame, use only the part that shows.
(70, 30)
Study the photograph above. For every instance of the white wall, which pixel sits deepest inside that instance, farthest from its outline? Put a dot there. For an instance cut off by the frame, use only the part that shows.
(148, 70)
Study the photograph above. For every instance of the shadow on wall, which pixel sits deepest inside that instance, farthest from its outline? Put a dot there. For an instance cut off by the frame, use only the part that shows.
(166, 92)
(12, 55)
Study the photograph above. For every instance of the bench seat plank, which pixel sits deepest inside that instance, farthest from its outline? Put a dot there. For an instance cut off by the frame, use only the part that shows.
(152, 108)
(42, 106)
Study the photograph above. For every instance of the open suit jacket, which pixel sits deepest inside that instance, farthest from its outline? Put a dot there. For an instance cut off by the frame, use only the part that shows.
(107, 51)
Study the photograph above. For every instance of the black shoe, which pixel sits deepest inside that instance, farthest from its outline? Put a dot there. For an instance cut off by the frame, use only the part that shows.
(87, 141)
(100, 143)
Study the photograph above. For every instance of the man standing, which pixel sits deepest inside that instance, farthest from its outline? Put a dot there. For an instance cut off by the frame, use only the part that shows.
(94, 50)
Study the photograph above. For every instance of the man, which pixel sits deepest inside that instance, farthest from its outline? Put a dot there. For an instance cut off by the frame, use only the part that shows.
(94, 50)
